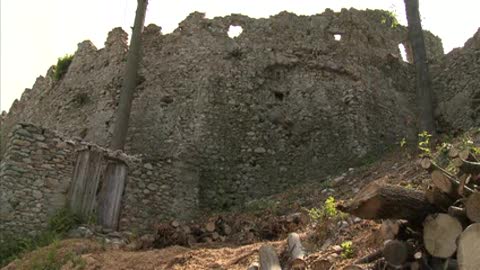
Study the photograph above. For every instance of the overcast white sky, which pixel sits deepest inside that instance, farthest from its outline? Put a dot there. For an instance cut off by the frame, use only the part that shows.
(34, 33)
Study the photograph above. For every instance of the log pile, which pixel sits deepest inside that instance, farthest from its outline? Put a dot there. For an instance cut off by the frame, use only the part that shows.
(232, 229)
(438, 228)
(294, 256)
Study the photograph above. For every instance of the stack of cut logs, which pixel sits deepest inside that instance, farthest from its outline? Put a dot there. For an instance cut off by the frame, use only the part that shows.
(232, 229)
(435, 229)
(295, 256)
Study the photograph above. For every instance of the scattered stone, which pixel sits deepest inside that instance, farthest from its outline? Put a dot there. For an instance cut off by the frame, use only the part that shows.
(148, 166)
(260, 150)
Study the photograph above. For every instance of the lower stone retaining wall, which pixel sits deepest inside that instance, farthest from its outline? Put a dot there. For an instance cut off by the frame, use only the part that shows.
(36, 173)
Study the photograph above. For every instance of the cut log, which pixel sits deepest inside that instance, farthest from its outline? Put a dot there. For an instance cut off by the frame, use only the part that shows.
(210, 227)
(467, 155)
(389, 229)
(379, 201)
(296, 253)
(111, 194)
(467, 166)
(438, 198)
(396, 253)
(453, 152)
(464, 179)
(426, 164)
(448, 184)
(460, 214)
(469, 248)
(353, 267)
(254, 266)
(321, 264)
(472, 207)
(444, 264)
(83, 190)
(440, 232)
(268, 258)
(441, 181)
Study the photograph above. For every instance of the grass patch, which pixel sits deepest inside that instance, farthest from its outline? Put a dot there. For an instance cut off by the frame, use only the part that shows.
(13, 247)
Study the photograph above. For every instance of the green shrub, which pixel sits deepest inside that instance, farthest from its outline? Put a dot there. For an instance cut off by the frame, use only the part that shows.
(328, 211)
(12, 247)
(347, 249)
(424, 144)
(62, 66)
(389, 18)
(63, 221)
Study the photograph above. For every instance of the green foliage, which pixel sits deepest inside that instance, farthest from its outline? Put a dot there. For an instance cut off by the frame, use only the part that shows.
(62, 66)
(63, 221)
(403, 142)
(328, 211)
(347, 249)
(51, 258)
(11, 247)
(424, 144)
(467, 143)
(389, 18)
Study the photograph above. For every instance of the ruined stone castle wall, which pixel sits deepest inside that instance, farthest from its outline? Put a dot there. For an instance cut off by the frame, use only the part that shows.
(457, 87)
(280, 104)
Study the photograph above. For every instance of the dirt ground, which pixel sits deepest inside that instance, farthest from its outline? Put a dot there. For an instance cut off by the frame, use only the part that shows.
(321, 240)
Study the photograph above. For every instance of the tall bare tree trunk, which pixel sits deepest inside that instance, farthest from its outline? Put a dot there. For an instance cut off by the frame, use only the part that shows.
(130, 79)
(110, 197)
(423, 80)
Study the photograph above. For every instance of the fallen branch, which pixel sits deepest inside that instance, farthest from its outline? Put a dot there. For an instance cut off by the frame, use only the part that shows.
(370, 257)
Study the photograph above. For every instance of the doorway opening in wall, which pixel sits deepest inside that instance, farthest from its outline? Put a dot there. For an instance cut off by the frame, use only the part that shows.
(403, 52)
(234, 31)
(337, 37)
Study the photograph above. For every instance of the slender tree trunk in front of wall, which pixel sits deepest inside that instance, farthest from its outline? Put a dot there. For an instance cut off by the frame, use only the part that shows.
(122, 114)
(110, 197)
(423, 80)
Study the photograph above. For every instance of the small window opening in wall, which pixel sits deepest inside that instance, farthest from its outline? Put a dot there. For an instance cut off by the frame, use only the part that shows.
(234, 31)
(337, 37)
(279, 95)
(403, 52)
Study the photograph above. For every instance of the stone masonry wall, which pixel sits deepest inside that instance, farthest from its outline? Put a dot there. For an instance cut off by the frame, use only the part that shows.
(282, 103)
(37, 169)
(35, 174)
(457, 86)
